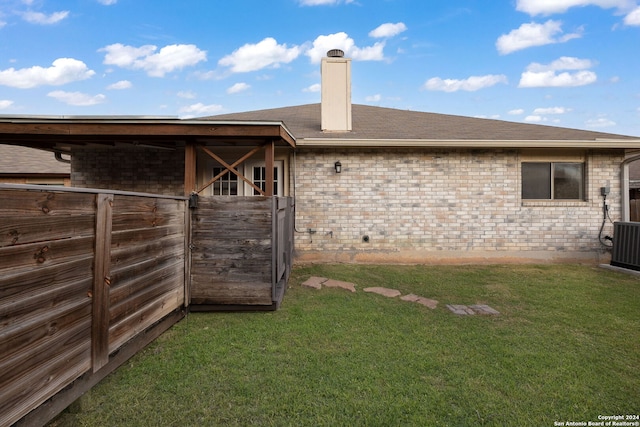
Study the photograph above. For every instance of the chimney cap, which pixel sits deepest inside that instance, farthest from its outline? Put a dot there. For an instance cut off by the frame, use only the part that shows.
(335, 53)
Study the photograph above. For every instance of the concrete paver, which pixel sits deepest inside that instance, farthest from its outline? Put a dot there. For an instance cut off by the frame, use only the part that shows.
(338, 284)
(390, 293)
(315, 282)
(461, 310)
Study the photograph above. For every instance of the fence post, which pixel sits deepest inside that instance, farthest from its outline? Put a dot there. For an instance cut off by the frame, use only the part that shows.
(101, 282)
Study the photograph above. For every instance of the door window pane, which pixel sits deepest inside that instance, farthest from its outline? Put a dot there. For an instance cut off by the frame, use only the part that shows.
(260, 179)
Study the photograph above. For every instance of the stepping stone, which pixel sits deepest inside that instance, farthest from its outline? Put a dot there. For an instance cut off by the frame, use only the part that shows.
(431, 303)
(315, 282)
(338, 284)
(461, 310)
(391, 293)
(484, 309)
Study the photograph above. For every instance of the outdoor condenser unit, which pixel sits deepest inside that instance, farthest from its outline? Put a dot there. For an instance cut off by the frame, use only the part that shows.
(626, 245)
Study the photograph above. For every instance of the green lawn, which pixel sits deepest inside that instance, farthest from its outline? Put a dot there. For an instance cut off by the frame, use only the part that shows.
(566, 347)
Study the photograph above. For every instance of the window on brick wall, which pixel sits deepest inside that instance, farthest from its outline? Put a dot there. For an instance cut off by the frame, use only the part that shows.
(553, 180)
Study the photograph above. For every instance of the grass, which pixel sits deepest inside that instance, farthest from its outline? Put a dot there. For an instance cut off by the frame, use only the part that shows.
(566, 347)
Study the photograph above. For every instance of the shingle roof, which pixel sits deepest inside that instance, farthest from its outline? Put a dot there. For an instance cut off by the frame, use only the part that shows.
(387, 123)
(23, 160)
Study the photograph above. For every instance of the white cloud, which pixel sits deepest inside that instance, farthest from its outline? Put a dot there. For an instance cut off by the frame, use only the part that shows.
(62, 71)
(201, 109)
(122, 84)
(323, 2)
(238, 87)
(536, 118)
(562, 63)
(5, 103)
(77, 98)
(600, 122)
(168, 59)
(470, 84)
(516, 112)
(313, 88)
(322, 44)
(388, 30)
(551, 110)
(533, 34)
(633, 18)
(186, 94)
(551, 79)
(548, 7)
(373, 98)
(42, 19)
(264, 54)
(107, 2)
(541, 75)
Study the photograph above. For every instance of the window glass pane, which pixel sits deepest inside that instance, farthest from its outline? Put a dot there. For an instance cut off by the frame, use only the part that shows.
(227, 185)
(567, 180)
(536, 180)
(275, 181)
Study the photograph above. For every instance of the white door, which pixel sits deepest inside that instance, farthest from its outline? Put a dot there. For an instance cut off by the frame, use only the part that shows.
(256, 172)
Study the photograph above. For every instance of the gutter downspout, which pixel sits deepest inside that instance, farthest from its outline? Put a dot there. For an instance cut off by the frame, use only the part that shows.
(58, 156)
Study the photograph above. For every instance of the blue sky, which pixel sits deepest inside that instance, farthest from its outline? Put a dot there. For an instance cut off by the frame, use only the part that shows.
(570, 63)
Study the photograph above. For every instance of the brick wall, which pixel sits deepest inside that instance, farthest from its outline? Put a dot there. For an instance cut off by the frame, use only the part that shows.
(425, 206)
(143, 170)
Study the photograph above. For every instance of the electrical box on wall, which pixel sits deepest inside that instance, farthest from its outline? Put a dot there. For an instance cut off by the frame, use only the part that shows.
(604, 191)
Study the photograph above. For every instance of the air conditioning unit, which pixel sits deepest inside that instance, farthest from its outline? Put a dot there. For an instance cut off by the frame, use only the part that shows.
(626, 245)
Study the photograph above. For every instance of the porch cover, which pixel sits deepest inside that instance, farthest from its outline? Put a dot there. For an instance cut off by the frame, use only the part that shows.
(60, 134)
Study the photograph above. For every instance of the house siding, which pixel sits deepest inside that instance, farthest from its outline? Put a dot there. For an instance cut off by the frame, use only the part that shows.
(129, 169)
(442, 205)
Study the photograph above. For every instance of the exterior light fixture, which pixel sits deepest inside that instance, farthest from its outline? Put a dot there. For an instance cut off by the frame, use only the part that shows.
(338, 167)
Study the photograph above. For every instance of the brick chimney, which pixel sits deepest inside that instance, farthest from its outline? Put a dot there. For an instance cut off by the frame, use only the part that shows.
(335, 111)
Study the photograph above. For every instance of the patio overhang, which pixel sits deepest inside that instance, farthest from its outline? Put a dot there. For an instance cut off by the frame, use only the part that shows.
(61, 134)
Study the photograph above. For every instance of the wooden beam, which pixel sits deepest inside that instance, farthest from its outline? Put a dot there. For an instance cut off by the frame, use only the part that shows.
(101, 282)
(232, 168)
(190, 160)
(269, 156)
(148, 128)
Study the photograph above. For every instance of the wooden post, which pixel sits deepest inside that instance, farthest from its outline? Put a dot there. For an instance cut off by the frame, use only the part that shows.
(269, 155)
(190, 159)
(101, 282)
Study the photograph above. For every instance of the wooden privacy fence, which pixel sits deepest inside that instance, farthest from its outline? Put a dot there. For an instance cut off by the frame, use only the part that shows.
(86, 279)
(241, 252)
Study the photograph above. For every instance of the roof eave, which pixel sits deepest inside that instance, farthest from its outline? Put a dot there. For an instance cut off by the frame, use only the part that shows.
(468, 143)
(125, 125)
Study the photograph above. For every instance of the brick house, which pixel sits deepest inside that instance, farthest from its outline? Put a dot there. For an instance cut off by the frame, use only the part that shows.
(411, 186)
(423, 187)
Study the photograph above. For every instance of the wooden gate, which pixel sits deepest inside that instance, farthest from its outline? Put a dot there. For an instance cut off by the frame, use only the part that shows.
(241, 252)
